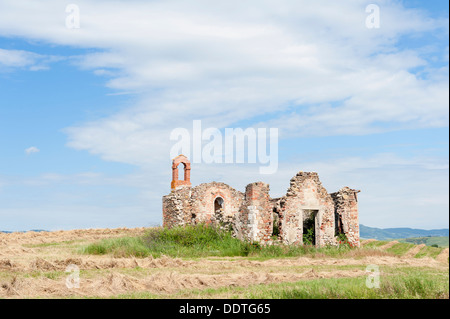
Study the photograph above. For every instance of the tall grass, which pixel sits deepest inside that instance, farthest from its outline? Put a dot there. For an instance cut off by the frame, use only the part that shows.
(188, 241)
(119, 247)
(201, 241)
(195, 241)
(394, 284)
(408, 286)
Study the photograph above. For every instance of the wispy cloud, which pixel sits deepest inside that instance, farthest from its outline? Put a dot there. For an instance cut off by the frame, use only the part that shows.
(32, 150)
(327, 75)
(13, 59)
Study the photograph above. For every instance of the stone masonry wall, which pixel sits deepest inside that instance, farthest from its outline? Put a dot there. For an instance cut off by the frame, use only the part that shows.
(255, 218)
(176, 207)
(346, 205)
(251, 214)
(202, 202)
(306, 193)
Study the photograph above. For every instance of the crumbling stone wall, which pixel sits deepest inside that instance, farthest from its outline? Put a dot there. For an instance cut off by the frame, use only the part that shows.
(346, 206)
(176, 207)
(304, 195)
(251, 215)
(202, 201)
(255, 220)
(196, 205)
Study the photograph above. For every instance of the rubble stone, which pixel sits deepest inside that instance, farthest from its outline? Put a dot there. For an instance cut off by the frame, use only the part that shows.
(251, 215)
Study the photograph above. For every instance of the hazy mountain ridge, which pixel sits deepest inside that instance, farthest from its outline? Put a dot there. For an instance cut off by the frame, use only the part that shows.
(367, 232)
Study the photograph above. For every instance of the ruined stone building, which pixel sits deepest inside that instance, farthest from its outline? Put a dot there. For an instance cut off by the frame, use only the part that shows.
(307, 208)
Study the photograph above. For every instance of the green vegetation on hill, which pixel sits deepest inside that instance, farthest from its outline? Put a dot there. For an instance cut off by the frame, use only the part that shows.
(429, 241)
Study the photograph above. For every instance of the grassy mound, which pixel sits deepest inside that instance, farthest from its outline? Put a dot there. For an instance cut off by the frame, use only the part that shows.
(188, 241)
(203, 241)
(200, 241)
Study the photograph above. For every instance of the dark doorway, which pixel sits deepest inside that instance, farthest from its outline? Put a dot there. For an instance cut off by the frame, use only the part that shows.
(276, 223)
(338, 225)
(309, 227)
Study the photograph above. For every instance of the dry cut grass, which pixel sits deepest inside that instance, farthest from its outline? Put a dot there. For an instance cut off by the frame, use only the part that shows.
(34, 266)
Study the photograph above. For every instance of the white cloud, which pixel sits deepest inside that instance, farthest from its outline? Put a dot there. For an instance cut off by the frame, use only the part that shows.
(17, 58)
(315, 68)
(32, 150)
(10, 59)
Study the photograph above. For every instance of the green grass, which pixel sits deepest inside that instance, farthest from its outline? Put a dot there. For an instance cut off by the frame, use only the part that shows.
(201, 241)
(407, 283)
(119, 247)
(195, 241)
(189, 241)
(407, 287)
(376, 243)
(428, 251)
(400, 249)
(441, 241)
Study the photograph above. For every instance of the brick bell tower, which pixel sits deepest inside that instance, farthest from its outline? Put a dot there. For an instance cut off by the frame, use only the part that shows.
(176, 183)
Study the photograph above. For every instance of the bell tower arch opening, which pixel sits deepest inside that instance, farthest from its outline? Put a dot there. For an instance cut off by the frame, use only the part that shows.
(186, 169)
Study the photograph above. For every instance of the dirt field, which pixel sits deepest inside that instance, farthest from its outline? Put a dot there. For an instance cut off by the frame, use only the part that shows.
(33, 265)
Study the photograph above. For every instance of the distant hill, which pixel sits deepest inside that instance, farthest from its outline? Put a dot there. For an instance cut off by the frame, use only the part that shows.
(394, 233)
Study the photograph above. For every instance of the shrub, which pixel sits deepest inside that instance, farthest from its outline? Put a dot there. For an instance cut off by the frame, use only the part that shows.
(196, 241)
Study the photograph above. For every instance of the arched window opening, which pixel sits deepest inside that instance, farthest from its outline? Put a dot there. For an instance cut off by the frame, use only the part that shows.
(185, 173)
(218, 206)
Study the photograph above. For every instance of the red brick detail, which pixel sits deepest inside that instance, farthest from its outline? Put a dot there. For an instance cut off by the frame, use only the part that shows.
(181, 159)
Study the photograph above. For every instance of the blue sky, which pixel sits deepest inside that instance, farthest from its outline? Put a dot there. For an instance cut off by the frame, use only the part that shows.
(365, 108)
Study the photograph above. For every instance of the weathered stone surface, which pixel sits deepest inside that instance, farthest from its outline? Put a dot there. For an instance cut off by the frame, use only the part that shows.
(346, 206)
(251, 215)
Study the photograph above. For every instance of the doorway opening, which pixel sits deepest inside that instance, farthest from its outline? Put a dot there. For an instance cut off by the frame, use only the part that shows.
(276, 224)
(309, 226)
